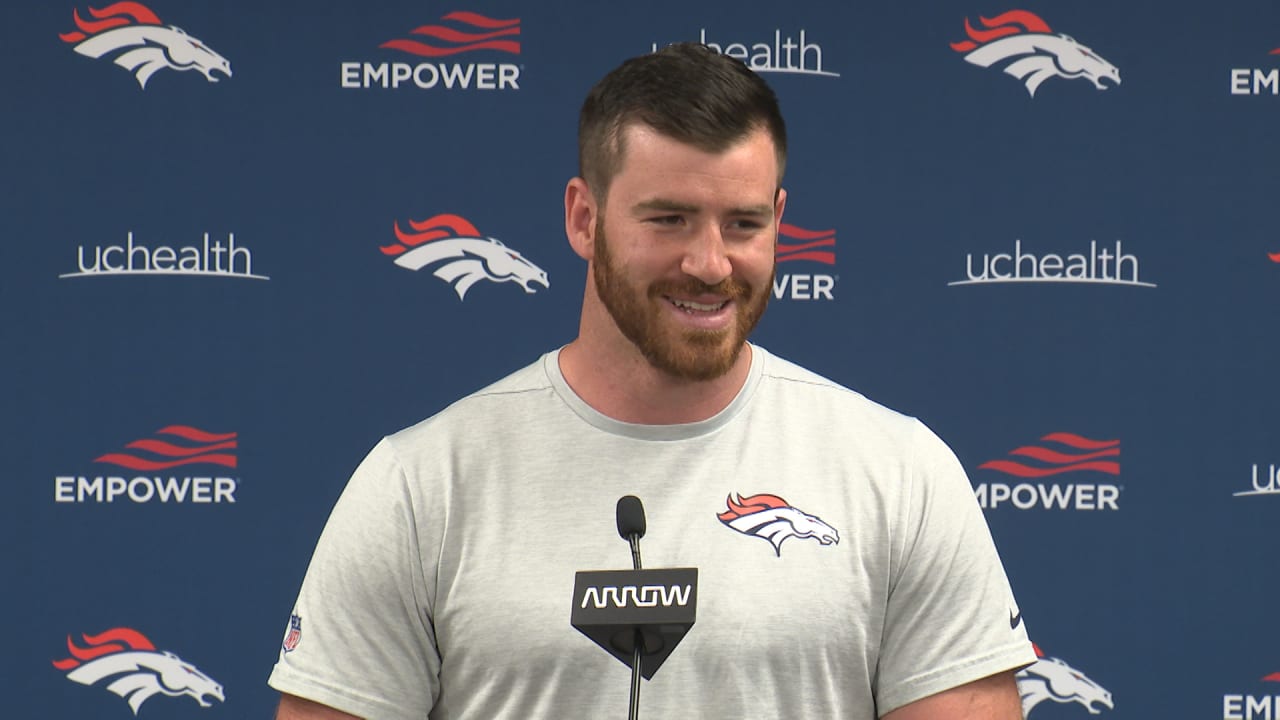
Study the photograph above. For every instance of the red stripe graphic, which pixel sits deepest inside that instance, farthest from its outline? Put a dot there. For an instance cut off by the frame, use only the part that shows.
(1275, 257)
(162, 453)
(1057, 461)
(1026, 471)
(417, 48)
(788, 252)
(161, 447)
(1079, 441)
(471, 31)
(1052, 456)
(800, 233)
(110, 17)
(479, 20)
(457, 36)
(190, 433)
(137, 463)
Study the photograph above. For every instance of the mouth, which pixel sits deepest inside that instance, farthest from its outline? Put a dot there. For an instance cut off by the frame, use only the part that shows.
(541, 280)
(708, 314)
(693, 307)
(1102, 703)
(225, 72)
(1105, 82)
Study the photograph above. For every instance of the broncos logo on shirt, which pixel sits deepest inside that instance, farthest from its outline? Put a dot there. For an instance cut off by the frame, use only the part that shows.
(773, 519)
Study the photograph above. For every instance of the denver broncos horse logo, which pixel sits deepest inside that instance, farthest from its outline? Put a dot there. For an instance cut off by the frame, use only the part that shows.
(771, 518)
(140, 671)
(1037, 54)
(461, 256)
(1052, 679)
(149, 46)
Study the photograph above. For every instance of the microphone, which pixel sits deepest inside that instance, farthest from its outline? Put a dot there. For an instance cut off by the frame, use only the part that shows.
(631, 525)
(638, 616)
(630, 517)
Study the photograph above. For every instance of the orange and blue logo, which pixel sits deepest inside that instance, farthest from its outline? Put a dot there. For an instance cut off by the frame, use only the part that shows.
(1032, 51)
(137, 671)
(774, 520)
(458, 254)
(133, 34)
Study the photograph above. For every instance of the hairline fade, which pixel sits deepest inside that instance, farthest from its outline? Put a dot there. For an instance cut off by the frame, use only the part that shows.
(686, 92)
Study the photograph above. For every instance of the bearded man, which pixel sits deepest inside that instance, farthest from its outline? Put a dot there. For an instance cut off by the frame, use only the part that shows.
(845, 569)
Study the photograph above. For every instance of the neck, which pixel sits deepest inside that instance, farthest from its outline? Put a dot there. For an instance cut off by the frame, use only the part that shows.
(624, 386)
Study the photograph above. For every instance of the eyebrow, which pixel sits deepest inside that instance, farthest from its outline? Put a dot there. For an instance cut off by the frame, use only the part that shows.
(664, 205)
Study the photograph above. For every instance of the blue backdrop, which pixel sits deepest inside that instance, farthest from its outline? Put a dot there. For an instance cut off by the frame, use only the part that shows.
(1056, 252)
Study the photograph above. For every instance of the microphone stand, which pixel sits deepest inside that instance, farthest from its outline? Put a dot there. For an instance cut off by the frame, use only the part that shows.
(633, 712)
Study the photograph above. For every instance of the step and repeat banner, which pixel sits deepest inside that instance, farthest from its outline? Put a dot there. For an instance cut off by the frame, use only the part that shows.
(242, 241)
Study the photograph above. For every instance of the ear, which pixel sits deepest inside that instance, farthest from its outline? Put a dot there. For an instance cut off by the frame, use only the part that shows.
(580, 213)
(779, 204)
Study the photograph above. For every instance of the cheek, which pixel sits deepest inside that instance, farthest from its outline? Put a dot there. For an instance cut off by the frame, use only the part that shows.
(757, 264)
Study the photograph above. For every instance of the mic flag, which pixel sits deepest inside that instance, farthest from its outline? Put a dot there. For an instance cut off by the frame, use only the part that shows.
(610, 605)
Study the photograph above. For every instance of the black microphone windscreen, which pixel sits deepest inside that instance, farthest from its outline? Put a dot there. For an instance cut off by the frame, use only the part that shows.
(630, 517)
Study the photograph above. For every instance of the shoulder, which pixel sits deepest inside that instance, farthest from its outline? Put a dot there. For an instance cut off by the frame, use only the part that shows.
(520, 400)
(803, 390)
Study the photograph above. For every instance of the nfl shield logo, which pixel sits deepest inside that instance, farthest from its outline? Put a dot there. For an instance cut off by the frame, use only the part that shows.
(294, 635)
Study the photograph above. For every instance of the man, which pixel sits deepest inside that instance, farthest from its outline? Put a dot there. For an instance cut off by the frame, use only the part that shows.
(442, 585)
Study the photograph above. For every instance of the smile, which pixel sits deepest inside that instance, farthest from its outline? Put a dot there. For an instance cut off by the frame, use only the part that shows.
(691, 306)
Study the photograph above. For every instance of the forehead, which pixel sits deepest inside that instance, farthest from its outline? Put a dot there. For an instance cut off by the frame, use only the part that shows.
(653, 163)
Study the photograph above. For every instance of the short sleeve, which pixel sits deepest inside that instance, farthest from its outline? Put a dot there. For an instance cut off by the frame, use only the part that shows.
(951, 616)
(364, 642)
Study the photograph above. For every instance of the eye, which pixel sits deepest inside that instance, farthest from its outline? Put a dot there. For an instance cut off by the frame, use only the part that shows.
(667, 220)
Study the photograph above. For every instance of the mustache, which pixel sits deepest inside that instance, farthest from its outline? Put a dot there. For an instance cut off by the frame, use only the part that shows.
(731, 288)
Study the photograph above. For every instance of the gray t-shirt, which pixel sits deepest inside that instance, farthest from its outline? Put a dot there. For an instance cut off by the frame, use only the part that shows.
(845, 568)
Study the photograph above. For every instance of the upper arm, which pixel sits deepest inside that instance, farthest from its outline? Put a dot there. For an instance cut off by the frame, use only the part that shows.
(991, 698)
(293, 707)
(950, 615)
(365, 642)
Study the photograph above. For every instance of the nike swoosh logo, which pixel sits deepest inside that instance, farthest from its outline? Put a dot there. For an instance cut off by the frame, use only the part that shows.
(1014, 620)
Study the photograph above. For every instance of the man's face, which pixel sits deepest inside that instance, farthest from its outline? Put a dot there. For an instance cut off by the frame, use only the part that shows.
(684, 249)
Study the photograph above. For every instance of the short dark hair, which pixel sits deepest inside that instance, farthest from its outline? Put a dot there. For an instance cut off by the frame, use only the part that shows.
(687, 92)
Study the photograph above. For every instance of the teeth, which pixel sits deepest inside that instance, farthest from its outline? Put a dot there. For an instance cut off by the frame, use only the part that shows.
(696, 306)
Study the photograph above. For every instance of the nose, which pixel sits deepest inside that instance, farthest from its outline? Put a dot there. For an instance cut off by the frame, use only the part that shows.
(706, 257)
